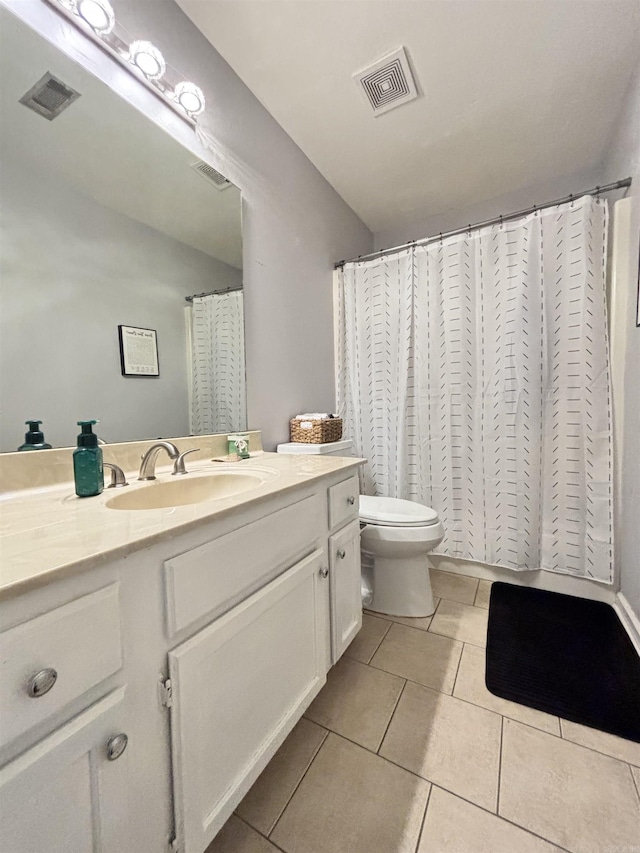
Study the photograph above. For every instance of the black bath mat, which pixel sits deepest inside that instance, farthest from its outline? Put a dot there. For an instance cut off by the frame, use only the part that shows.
(567, 656)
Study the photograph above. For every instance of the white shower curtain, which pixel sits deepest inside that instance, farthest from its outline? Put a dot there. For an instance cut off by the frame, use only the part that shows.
(218, 394)
(473, 375)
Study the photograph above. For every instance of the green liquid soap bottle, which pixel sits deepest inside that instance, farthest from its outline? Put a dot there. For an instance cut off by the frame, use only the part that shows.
(34, 439)
(87, 462)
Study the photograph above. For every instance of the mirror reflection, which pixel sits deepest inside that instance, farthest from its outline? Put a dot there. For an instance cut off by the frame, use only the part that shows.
(107, 221)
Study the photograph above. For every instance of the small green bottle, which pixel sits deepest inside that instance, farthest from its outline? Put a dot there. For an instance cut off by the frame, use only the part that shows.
(87, 462)
(34, 439)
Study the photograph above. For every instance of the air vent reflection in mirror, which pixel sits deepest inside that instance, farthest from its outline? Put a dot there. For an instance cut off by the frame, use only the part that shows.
(212, 175)
(49, 97)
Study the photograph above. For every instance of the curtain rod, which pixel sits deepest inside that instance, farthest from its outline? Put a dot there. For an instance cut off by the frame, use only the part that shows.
(607, 188)
(212, 293)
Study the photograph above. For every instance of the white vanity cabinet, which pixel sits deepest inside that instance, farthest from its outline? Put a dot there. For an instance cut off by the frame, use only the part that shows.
(344, 565)
(346, 595)
(197, 654)
(71, 792)
(239, 686)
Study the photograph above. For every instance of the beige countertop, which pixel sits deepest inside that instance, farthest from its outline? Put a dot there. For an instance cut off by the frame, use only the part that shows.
(45, 532)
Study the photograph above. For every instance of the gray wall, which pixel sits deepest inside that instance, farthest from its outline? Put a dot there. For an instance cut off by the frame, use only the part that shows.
(72, 271)
(624, 160)
(509, 203)
(295, 226)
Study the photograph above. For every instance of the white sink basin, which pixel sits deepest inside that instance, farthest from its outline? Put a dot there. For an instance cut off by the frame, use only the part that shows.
(184, 491)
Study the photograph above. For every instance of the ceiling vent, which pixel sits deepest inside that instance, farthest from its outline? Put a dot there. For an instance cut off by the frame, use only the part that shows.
(49, 97)
(388, 83)
(212, 175)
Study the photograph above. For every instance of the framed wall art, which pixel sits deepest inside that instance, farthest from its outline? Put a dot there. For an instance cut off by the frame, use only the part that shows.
(138, 351)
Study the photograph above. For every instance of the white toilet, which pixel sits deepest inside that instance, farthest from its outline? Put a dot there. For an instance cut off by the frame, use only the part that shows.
(394, 543)
(395, 538)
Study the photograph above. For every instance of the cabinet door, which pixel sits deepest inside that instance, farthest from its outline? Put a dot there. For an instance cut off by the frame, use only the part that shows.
(346, 597)
(239, 686)
(64, 795)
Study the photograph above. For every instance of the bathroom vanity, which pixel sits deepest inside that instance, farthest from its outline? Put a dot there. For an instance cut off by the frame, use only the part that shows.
(153, 660)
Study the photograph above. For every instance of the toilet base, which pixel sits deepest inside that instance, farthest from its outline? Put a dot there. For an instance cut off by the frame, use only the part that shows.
(401, 586)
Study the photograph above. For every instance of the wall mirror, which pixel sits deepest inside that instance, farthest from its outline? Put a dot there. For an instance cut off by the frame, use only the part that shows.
(107, 221)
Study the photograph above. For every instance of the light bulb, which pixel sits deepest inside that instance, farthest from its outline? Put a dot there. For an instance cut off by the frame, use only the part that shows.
(148, 59)
(190, 97)
(98, 14)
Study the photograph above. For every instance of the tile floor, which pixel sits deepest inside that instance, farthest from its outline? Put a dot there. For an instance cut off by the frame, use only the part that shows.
(405, 751)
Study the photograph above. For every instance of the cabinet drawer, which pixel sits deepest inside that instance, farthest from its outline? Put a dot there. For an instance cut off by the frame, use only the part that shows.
(343, 502)
(71, 648)
(213, 577)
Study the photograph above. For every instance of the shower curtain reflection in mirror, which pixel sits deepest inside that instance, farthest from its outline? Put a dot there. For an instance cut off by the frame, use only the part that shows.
(218, 394)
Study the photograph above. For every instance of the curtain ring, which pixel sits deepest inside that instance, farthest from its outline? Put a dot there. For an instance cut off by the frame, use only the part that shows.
(597, 192)
(571, 199)
(501, 223)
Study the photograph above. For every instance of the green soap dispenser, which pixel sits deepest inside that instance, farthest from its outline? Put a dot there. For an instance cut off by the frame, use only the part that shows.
(34, 439)
(87, 462)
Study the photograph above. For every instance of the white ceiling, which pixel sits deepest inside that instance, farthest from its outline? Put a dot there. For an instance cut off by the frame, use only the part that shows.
(107, 150)
(514, 93)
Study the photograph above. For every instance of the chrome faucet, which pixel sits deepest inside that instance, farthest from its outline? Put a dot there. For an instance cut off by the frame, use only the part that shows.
(178, 465)
(118, 478)
(148, 464)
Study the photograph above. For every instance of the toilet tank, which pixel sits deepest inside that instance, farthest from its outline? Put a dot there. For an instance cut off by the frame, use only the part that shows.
(344, 447)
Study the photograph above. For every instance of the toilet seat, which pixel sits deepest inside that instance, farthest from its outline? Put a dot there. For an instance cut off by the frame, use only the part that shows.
(395, 512)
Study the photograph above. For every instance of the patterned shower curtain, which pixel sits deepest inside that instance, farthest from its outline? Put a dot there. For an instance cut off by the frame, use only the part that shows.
(218, 394)
(473, 375)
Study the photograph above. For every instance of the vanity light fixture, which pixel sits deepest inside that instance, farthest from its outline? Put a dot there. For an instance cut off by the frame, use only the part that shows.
(148, 59)
(97, 13)
(97, 19)
(190, 98)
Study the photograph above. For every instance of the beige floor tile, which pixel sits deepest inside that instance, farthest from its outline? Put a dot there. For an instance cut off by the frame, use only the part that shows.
(453, 825)
(453, 587)
(483, 594)
(236, 837)
(352, 801)
(449, 742)
(461, 622)
(574, 797)
(420, 656)
(421, 622)
(368, 638)
(617, 747)
(470, 685)
(266, 800)
(357, 702)
(635, 771)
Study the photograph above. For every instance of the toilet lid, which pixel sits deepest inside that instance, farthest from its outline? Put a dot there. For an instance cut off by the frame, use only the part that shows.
(394, 512)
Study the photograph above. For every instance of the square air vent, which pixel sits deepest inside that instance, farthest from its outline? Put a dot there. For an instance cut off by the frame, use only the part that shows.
(388, 83)
(49, 97)
(212, 175)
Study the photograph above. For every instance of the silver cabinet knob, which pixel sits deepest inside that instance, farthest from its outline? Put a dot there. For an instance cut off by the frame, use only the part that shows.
(116, 746)
(324, 572)
(41, 682)
(342, 553)
(351, 500)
